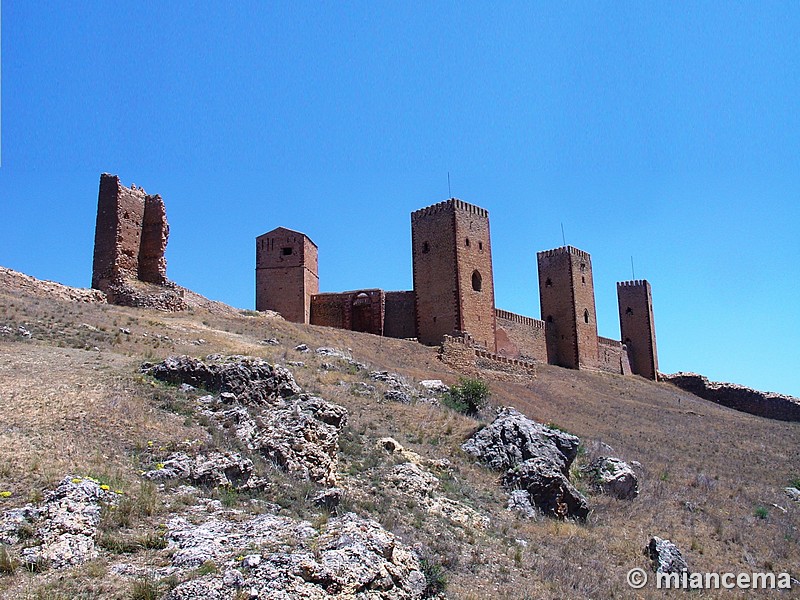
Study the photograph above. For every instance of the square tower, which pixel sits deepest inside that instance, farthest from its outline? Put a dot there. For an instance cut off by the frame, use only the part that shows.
(287, 273)
(566, 293)
(637, 326)
(453, 280)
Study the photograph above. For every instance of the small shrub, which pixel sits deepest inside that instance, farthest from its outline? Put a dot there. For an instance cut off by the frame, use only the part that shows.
(145, 588)
(761, 512)
(7, 564)
(435, 579)
(207, 568)
(468, 396)
(795, 482)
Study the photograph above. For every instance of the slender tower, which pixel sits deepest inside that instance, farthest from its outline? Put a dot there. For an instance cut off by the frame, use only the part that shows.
(637, 326)
(566, 293)
(453, 280)
(287, 273)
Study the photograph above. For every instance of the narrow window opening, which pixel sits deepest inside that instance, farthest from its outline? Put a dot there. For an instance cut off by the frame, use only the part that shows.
(583, 280)
(549, 318)
(476, 281)
(434, 319)
(548, 283)
(286, 251)
(585, 316)
(629, 311)
(466, 242)
(426, 247)
(583, 267)
(480, 245)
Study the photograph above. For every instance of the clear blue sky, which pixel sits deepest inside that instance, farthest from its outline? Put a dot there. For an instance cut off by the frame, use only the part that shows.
(669, 132)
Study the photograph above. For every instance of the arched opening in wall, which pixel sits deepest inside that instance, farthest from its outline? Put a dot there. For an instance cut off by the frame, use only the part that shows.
(426, 247)
(548, 283)
(629, 311)
(361, 313)
(477, 281)
(585, 316)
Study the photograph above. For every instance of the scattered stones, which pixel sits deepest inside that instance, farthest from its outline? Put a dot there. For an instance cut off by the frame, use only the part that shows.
(614, 477)
(793, 493)
(302, 348)
(391, 379)
(125, 330)
(397, 396)
(328, 499)
(360, 388)
(351, 558)
(332, 352)
(296, 363)
(536, 460)
(665, 556)
(271, 342)
(24, 332)
(434, 386)
(185, 387)
(60, 532)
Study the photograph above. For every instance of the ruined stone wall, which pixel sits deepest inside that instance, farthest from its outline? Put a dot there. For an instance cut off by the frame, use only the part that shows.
(521, 337)
(637, 325)
(612, 356)
(400, 320)
(361, 310)
(131, 235)
(566, 292)
(287, 274)
(739, 397)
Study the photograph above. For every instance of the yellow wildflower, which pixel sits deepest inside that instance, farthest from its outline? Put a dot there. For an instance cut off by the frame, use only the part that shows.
(5, 494)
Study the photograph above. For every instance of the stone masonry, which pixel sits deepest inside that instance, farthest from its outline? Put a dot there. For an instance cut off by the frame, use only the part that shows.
(130, 238)
(453, 298)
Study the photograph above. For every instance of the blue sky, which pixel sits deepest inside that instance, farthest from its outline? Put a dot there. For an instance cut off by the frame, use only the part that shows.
(664, 131)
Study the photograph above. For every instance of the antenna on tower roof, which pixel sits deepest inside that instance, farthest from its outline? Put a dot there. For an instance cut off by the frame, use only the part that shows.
(633, 272)
(449, 191)
(563, 237)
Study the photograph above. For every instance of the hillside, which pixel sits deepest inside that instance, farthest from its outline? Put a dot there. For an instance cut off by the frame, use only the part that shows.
(76, 406)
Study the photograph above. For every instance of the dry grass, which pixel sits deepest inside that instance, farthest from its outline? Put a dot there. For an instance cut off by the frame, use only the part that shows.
(71, 408)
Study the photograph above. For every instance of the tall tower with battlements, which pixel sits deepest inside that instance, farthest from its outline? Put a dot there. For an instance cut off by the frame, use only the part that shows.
(637, 326)
(453, 280)
(566, 293)
(287, 273)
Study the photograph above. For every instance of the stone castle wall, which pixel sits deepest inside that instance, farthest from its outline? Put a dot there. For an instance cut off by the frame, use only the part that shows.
(637, 326)
(521, 337)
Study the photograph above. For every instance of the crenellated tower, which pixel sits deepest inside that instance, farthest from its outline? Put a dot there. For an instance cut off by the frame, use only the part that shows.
(453, 279)
(637, 326)
(566, 293)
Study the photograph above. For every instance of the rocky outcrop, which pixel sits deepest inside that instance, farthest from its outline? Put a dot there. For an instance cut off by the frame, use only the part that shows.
(665, 556)
(352, 558)
(217, 469)
(614, 477)
(262, 405)
(14, 281)
(535, 460)
(250, 380)
(60, 531)
(739, 397)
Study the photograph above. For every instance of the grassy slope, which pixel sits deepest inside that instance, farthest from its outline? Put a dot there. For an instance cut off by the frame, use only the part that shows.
(71, 408)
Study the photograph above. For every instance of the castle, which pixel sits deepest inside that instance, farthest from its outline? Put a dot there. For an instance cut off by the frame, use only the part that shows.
(453, 295)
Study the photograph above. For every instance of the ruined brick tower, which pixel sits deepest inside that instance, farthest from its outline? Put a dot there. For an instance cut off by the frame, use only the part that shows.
(453, 280)
(287, 273)
(566, 292)
(638, 327)
(131, 236)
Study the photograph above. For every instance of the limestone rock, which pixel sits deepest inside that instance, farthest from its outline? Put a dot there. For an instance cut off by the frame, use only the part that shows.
(793, 493)
(434, 386)
(329, 498)
(665, 556)
(352, 558)
(249, 379)
(614, 477)
(61, 530)
(217, 469)
(512, 438)
(520, 501)
(397, 396)
(548, 488)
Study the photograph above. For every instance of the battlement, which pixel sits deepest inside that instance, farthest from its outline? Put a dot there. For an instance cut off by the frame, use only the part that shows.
(633, 283)
(523, 320)
(609, 342)
(449, 205)
(564, 250)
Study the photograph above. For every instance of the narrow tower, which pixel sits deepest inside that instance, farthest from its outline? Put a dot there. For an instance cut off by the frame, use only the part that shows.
(453, 280)
(287, 273)
(638, 327)
(566, 293)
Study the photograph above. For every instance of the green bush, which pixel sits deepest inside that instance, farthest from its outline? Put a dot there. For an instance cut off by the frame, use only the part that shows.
(435, 580)
(468, 396)
(761, 512)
